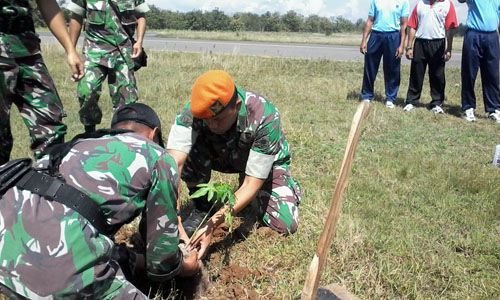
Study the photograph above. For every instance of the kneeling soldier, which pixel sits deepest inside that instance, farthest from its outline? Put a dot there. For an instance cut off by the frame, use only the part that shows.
(52, 240)
(230, 130)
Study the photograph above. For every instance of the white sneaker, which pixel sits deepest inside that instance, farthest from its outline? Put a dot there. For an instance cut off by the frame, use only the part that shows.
(366, 100)
(437, 110)
(469, 115)
(495, 116)
(389, 104)
(408, 107)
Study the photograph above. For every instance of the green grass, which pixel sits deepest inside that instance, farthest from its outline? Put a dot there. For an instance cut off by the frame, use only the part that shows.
(346, 39)
(421, 216)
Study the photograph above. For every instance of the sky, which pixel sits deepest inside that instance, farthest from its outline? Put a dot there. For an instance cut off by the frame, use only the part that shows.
(350, 9)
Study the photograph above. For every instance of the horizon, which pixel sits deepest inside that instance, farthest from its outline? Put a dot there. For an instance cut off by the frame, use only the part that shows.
(351, 10)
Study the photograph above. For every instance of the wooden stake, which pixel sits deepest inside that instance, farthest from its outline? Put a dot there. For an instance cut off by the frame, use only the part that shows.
(319, 259)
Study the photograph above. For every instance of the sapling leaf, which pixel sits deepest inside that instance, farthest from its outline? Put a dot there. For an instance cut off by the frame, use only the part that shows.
(211, 195)
(199, 193)
(218, 193)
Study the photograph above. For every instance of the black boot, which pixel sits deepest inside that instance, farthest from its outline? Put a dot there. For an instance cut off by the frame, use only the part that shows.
(202, 208)
(89, 128)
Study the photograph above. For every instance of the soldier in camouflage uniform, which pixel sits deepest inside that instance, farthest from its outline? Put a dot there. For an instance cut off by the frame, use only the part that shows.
(228, 129)
(108, 52)
(24, 78)
(48, 249)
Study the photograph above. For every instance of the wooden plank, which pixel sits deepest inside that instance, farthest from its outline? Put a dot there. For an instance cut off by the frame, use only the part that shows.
(319, 259)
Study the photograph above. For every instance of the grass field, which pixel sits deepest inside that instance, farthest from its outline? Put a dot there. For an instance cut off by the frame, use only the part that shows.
(421, 217)
(347, 39)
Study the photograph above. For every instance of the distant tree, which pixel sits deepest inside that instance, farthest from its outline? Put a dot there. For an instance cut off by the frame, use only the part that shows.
(292, 21)
(271, 22)
(312, 23)
(250, 21)
(156, 18)
(216, 20)
(360, 25)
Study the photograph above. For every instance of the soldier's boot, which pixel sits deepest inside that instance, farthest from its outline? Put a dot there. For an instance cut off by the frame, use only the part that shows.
(203, 209)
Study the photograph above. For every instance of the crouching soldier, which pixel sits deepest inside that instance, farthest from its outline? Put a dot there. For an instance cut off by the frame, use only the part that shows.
(230, 130)
(57, 222)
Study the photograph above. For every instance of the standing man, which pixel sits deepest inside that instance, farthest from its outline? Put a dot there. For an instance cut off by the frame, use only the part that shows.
(230, 130)
(24, 78)
(481, 51)
(57, 226)
(387, 23)
(108, 52)
(430, 43)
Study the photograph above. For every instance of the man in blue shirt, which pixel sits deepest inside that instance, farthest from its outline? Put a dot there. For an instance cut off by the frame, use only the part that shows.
(481, 51)
(386, 26)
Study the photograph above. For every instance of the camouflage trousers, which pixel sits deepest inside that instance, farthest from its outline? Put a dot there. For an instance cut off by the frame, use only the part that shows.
(278, 199)
(122, 88)
(26, 83)
(119, 289)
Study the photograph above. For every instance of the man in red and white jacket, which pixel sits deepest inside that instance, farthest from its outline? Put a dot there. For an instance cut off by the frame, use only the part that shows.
(430, 42)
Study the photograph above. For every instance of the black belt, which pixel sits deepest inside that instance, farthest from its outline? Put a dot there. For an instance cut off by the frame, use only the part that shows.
(16, 25)
(54, 189)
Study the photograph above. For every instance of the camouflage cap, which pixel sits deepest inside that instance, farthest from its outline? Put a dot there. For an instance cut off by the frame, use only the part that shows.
(139, 113)
(211, 93)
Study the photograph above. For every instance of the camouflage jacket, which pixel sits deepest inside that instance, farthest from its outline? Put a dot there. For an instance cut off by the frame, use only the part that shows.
(47, 248)
(104, 37)
(22, 44)
(254, 145)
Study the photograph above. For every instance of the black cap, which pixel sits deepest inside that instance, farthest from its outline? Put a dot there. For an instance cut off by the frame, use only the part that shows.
(139, 113)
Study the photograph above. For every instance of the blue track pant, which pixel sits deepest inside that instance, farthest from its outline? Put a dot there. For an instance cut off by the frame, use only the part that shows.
(382, 44)
(481, 51)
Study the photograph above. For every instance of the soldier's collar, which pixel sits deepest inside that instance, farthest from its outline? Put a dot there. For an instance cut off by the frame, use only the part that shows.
(241, 122)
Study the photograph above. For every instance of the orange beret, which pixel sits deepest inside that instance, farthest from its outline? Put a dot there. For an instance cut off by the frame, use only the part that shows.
(211, 93)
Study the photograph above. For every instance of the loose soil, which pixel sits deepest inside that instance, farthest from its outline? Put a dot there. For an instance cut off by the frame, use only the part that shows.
(219, 279)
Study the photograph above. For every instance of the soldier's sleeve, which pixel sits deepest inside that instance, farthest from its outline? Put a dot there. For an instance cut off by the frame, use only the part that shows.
(182, 136)
(77, 7)
(141, 6)
(163, 258)
(266, 144)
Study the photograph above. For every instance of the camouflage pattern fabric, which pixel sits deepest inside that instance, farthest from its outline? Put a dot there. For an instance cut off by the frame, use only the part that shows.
(25, 81)
(107, 48)
(257, 129)
(47, 249)
(122, 88)
(18, 45)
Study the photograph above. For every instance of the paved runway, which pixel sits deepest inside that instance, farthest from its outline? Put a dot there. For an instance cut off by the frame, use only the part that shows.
(307, 51)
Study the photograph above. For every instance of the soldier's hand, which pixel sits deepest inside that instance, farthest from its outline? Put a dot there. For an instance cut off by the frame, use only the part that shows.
(409, 53)
(136, 49)
(399, 52)
(201, 240)
(363, 48)
(75, 65)
(190, 264)
(447, 55)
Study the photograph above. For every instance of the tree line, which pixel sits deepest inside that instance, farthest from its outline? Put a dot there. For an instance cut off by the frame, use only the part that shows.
(217, 20)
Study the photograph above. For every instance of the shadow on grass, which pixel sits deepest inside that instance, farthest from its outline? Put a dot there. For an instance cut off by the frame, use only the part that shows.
(378, 97)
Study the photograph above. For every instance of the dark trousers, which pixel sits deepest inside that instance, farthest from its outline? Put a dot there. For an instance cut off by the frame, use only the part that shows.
(382, 44)
(427, 52)
(481, 51)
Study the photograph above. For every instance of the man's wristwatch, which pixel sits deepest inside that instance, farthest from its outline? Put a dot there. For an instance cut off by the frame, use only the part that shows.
(408, 48)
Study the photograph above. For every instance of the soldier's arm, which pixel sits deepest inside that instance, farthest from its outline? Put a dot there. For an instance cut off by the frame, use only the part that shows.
(141, 29)
(366, 32)
(54, 18)
(244, 195)
(75, 27)
(164, 260)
